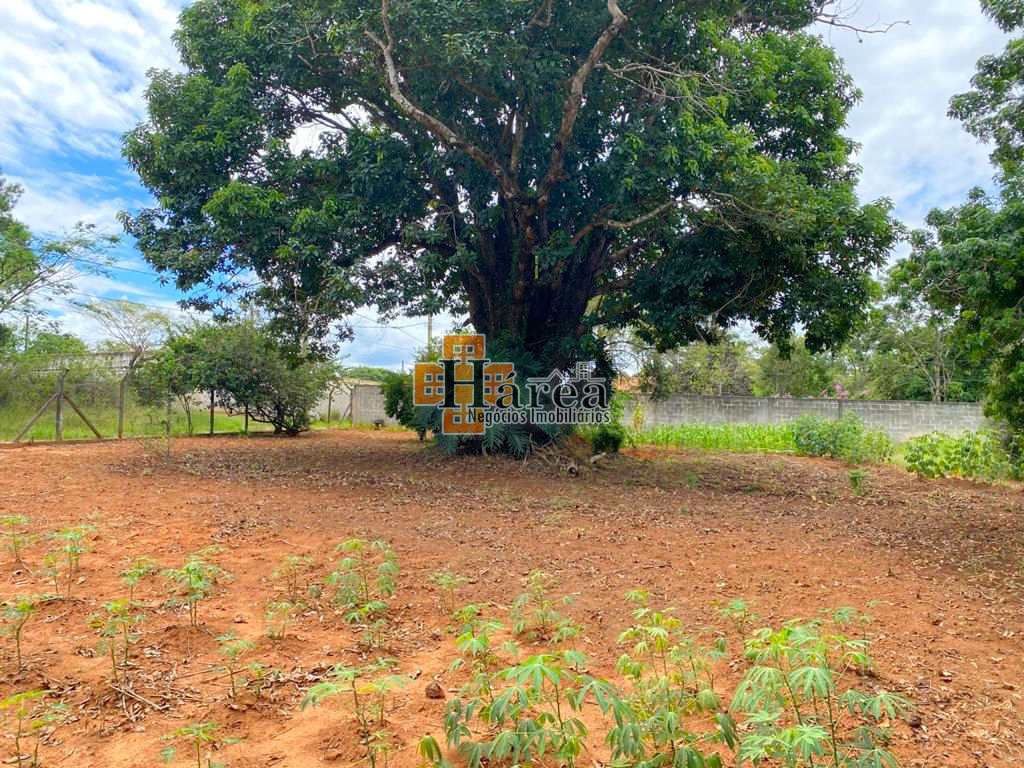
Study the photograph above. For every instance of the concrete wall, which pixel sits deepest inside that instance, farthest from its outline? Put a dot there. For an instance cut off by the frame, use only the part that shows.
(899, 419)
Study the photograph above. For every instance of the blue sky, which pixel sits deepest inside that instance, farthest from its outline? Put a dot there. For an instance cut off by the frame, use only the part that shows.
(73, 72)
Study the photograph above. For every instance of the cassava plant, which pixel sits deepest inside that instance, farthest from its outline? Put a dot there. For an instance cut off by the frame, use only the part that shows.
(368, 686)
(117, 626)
(530, 711)
(194, 582)
(672, 683)
(795, 706)
(17, 536)
(16, 614)
(290, 573)
(139, 569)
(71, 546)
(449, 584)
(30, 716)
(535, 614)
(363, 579)
(279, 615)
(234, 650)
(201, 739)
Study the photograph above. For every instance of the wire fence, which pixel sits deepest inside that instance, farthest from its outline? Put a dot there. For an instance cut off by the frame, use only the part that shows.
(94, 396)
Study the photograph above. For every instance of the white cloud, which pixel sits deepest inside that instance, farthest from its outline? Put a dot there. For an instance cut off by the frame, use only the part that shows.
(72, 72)
(912, 151)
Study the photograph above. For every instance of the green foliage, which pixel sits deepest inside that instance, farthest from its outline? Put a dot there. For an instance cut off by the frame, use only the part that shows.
(608, 438)
(738, 438)
(397, 388)
(17, 537)
(64, 563)
(535, 613)
(16, 614)
(725, 367)
(974, 455)
(793, 370)
(530, 710)
(290, 573)
(234, 650)
(33, 717)
(202, 739)
(362, 581)
(844, 438)
(279, 615)
(139, 569)
(792, 704)
(31, 266)
(369, 687)
(858, 481)
(117, 626)
(195, 581)
(449, 584)
(515, 179)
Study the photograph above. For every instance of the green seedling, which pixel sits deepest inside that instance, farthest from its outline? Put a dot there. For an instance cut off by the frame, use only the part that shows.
(379, 746)
(194, 582)
(534, 613)
(68, 556)
(739, 615)
(366, 573)
(234, 650)
(290, 574)
(368, 686)
(32, 718)
(201, 739)
(449, 583)
(858, 481)
(16, 614)
(279, 615)
(17, 537)
(117, 627)
(132, 576)
(430, 751)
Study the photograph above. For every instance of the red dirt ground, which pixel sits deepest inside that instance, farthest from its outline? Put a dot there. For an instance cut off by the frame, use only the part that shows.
(940, 562)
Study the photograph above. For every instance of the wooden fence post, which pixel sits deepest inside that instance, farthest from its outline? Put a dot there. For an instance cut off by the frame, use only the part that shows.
(59, 425)
(121, 397)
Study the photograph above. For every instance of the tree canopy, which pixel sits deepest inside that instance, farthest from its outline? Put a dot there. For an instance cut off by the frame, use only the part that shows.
(543, 167)
(970, 261)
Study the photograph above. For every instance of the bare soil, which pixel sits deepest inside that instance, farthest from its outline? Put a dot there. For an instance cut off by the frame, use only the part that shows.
(939, 564)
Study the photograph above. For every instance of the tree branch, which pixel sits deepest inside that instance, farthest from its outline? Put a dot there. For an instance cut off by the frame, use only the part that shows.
(428, 121)
(571, 109)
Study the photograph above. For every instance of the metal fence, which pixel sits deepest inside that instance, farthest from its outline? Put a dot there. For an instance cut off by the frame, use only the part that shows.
(94, 396)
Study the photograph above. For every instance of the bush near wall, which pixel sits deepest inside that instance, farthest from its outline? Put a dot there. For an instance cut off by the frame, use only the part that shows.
(974, 455)
(846, 438)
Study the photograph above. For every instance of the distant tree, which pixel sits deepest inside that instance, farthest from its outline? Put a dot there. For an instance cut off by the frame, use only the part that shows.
(794, 372)
(8, 337)
(30, 265)
(251, 371)
(134, 329)
(54, 343)
(722, 368)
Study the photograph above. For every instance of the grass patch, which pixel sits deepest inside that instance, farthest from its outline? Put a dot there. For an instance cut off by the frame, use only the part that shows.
(733, 438)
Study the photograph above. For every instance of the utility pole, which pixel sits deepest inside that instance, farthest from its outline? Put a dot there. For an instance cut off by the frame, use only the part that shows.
(26, 332)
(430, 332)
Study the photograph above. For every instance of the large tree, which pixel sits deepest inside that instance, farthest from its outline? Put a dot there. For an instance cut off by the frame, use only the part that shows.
(545, 166)
(970, 261)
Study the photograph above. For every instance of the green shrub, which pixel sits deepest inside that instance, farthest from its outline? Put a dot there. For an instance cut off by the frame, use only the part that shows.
(974, 455)
(608, 438)
(844, 438)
